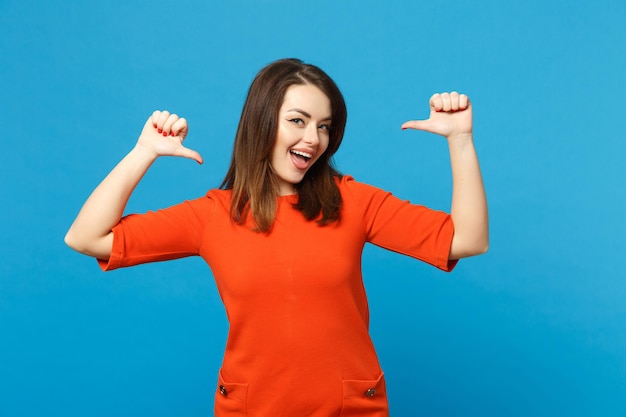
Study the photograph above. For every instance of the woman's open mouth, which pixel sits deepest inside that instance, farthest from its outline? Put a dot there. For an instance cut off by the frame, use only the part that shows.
(300, 159)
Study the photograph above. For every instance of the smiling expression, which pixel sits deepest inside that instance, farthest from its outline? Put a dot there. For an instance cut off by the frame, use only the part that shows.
(304, 122)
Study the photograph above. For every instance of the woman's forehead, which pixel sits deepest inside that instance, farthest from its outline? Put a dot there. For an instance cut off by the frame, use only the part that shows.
(307, 98)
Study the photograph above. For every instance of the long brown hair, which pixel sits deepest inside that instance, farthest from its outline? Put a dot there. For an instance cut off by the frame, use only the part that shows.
(250, 177)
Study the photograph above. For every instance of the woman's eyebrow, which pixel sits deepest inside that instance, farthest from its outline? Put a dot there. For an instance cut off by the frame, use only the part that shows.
(306, 114)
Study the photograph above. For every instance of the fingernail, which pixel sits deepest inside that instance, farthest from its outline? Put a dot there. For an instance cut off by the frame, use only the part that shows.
(164, 133)
(159, 130)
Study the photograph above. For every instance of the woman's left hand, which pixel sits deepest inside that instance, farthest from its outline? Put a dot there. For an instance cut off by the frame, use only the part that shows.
(450, 116)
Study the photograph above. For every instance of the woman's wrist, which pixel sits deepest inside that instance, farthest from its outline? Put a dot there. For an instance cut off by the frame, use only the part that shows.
(144, 153)
(461, 137)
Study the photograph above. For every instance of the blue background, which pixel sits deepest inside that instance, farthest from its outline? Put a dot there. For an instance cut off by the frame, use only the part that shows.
(536, 327)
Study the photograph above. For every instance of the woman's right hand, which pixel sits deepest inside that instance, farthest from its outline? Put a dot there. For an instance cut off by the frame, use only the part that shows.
(163, 135)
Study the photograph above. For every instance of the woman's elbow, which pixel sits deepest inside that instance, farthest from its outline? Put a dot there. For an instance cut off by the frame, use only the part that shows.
(482, 249)
(481, 245)
(478, 247)
(97, 248)
(461, 249)
(71, 241)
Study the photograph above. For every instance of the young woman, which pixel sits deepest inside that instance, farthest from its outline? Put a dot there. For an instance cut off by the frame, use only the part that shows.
(283, 237)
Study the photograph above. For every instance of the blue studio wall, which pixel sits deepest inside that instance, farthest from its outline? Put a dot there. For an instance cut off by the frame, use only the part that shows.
(536, 327)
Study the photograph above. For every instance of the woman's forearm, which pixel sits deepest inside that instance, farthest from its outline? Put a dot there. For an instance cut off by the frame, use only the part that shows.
(469, 202)
(91, 231)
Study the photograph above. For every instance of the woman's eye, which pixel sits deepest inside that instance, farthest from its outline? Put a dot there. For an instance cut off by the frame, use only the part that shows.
(297, 121)
(325, 127)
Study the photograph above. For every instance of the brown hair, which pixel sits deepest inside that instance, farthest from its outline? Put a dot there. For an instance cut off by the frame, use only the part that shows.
(250, 177)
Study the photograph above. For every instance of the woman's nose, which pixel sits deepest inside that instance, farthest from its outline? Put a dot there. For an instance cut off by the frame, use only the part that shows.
(312, 135)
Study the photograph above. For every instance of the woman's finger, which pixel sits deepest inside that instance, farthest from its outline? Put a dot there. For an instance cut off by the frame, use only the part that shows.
(463, 102)
(189, 153)
(155, 117)
(167, 126)
(454, 101)
(179, 128)
(436, 103)
(445, 99)
(161, 120)
(425, 125)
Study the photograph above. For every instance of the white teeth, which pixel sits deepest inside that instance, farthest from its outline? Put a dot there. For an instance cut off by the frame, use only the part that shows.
(302, 154)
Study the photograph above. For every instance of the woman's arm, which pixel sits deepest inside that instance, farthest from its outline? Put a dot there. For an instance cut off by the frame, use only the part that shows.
(451, 116)
(91, 233)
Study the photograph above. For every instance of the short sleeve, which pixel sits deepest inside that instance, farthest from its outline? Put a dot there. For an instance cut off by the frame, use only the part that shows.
(397, 225)
(161, 235)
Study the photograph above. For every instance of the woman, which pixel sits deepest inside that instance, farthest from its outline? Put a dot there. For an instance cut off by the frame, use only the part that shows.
(284, 236)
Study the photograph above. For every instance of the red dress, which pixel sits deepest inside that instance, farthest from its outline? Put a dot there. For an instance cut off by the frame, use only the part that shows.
(298, 343)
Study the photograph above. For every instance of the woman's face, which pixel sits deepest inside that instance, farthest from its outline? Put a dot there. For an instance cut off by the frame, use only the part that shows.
(303, 133)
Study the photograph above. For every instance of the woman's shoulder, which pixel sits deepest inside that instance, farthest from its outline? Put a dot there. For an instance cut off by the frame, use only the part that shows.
(344, 180)
(218, 197)
(207, 202)
(218, 194)
(347, 184)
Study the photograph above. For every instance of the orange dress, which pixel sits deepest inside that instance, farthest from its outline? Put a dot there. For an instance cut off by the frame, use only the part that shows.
(298, 343)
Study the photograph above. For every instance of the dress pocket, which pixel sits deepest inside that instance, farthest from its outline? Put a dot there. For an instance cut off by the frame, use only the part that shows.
(230, 398)
(364, 398)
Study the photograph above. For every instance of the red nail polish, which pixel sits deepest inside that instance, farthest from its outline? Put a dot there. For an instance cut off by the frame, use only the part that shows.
(159, 130)
(164, 133)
